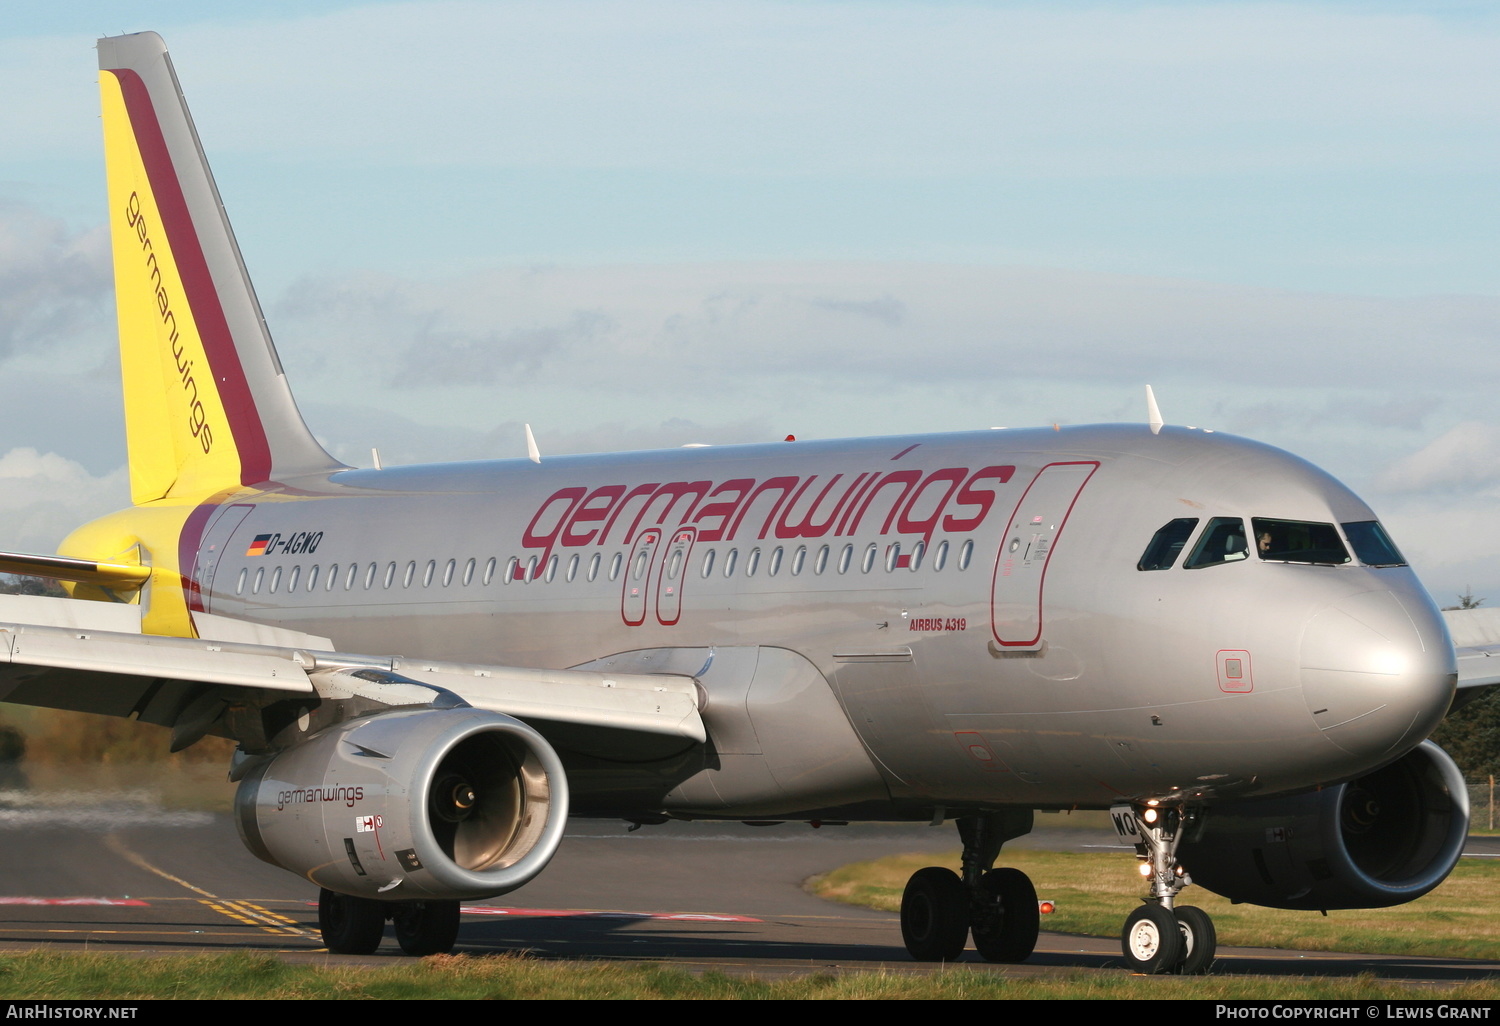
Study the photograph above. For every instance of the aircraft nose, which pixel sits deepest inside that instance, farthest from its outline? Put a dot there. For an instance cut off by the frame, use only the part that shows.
(1378, 671)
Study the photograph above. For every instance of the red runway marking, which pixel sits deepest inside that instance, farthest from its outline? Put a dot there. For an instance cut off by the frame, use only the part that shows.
(74, 901)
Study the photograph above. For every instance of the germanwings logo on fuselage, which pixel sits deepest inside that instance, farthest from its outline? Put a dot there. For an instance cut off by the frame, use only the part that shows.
(912, 502)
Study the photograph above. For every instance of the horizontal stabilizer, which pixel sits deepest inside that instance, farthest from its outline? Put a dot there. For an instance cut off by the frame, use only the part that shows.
(115, 576)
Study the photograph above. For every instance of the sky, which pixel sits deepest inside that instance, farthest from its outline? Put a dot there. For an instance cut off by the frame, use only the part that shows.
(648, 223)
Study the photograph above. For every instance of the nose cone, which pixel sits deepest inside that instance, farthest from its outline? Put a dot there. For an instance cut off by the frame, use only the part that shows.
(1378, 671)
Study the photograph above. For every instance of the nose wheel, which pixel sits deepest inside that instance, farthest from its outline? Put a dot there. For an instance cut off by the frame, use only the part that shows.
(1161, 937)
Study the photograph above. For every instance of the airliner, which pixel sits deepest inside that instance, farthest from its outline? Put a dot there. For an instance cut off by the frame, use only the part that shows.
(426, 669)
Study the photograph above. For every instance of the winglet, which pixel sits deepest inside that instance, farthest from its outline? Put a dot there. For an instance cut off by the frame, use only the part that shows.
(1153, 412)
(532, 452)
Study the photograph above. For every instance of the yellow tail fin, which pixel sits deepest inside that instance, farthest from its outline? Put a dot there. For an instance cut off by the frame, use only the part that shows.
(207, 407)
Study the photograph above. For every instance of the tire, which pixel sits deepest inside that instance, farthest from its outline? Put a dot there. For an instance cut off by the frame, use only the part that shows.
(1199, 940)
(350, 926)
(426, 927)
(1151, 941)
(1007, 929)
(935, 915)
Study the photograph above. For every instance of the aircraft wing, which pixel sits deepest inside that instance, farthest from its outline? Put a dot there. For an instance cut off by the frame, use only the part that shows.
(1476, 642)
(92, 657)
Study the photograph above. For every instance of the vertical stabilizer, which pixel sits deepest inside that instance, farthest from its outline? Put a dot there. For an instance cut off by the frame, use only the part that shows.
(207, 407)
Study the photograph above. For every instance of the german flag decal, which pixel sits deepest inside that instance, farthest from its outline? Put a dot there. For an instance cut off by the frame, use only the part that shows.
(258, 546)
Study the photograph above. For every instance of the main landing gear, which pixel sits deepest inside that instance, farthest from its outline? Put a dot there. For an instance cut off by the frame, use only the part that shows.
(939, 910)
(354, 926)
(1161, 937)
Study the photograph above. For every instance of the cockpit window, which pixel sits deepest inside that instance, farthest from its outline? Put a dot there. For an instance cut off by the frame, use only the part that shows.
(1223, 541)
(1298, 541)
(1372, 545)
(1167, 544)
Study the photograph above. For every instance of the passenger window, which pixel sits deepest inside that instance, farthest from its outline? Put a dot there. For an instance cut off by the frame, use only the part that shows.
(845, 558)
(239, 586)
(333, 577)
(293, 578)
(708, 562)
(821, 563)
(370, 577)
(752, 561)
(312, 577)
(469, 573)
(965, 554)
(489, 570)
(615, 564)
(869, 560)
(511, 566)
(917, 552)
(275, 579)
(1298, 541)
(1223, 541)
(774, 565)
(940, 556)
(572, 567)
(428, 573)
(594, 561)
(551, 569)
(260, 575)
(893, 556)
(390, 574)
(411, 572)
(1166, 544)
(798, 558)
(729, 560)
(448, 569)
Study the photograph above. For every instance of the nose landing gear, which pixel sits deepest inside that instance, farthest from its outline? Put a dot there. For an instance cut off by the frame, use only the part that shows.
(1161, 937)
(939, 910)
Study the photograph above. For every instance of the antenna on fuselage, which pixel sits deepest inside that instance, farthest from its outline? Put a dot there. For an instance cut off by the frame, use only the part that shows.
(1153, 412)
(532, 452)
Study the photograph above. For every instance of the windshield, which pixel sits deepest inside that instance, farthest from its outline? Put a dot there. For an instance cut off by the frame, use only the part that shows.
(1298, 541)
(1167, 544)
(1223, 541)
(1372, 545)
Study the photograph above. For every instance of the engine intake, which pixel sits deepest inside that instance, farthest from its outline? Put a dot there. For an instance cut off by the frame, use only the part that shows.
(427, 803)
(1384, 839)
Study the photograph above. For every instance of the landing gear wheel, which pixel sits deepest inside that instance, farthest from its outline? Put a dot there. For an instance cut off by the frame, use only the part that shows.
(1199, 940)
(1151, 941)
(1006, 930)
(350, 926)
(426, 927)
(935, 915)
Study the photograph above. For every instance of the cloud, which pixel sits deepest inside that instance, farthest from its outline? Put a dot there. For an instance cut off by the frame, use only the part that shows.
(54, 283)
(862, 324)
(1466, 456)
(44, 496)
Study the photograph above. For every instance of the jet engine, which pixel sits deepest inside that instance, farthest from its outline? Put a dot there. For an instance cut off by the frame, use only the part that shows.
(1386, 838)
(417, 804)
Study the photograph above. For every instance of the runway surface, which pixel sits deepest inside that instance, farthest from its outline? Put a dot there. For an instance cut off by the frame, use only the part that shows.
(115, 872)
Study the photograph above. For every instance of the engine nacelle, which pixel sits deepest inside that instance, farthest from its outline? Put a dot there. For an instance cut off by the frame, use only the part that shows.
(1384, 839)
(427, 803)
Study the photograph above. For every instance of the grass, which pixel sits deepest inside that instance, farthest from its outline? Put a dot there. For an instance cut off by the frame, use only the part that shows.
(43, 975)
(1094, 892)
